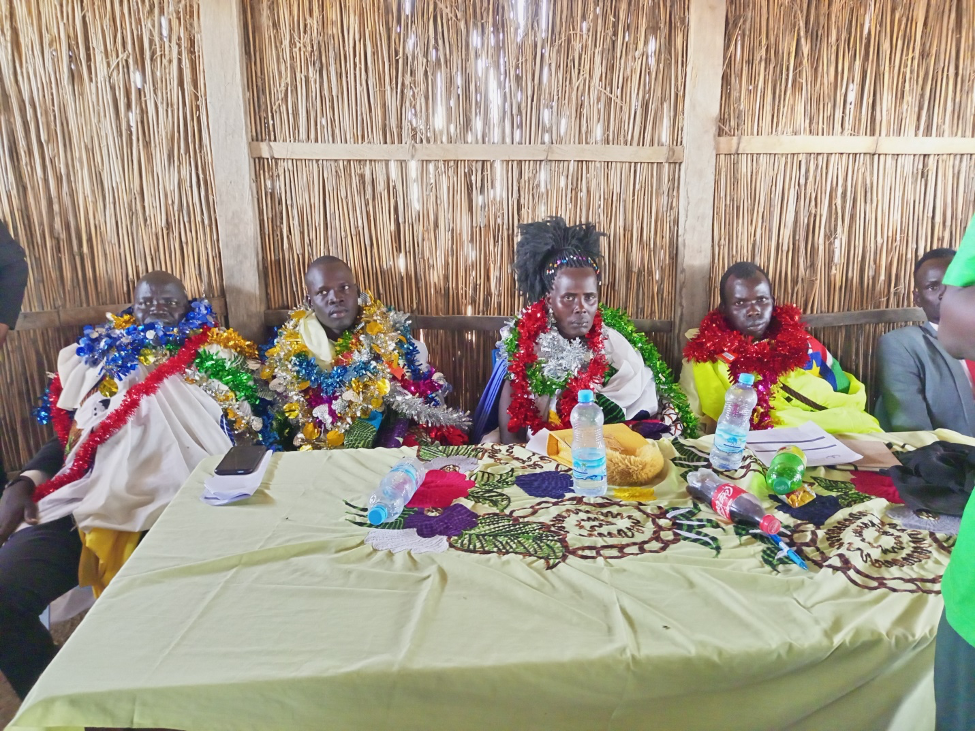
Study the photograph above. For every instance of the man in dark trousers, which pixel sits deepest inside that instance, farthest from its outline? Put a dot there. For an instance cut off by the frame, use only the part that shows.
(922, 386)
(13, 282)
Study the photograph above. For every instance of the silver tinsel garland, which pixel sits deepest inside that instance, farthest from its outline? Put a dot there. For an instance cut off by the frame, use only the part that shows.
(561, 358)
(416, 409)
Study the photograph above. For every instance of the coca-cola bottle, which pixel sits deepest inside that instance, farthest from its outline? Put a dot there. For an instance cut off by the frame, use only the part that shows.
(729, 501)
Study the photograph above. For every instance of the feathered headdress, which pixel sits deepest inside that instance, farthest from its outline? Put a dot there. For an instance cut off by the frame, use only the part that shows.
(546, 247)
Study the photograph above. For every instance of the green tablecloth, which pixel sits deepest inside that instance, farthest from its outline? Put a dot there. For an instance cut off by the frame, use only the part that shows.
(556, 613)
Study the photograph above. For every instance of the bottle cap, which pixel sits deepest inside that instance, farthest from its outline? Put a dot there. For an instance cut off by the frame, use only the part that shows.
(769, 524)
(585, 396)
(378, 515)
(746, 379)
(780, 485)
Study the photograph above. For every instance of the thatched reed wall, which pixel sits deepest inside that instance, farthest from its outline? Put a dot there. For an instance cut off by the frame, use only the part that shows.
(437, 237)
(841, 232)
(105, 165)
(105, 168)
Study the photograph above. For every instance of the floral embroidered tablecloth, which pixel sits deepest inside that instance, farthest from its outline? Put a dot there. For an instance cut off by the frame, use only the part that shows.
(502, 600)
(508, 500)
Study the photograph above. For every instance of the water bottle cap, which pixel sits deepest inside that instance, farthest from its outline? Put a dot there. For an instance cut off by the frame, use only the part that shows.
(377, 515)
(585, 396)
(746, 379)
(769, 524)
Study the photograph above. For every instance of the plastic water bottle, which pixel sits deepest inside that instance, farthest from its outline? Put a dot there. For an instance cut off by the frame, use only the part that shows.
(729, 501)
(786, 472)
(395, 490)
(729, 442)
(588, 450)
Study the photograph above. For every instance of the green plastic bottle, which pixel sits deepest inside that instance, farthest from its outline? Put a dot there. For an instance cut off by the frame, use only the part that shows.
(786, 472)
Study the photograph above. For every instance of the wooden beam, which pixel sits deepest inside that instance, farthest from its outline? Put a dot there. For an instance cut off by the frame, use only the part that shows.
(222, 46)
(463, 323)
(865, 317)
(78, 316)
(808, 144)
(599, 153)
(697, 184)
(468, 323)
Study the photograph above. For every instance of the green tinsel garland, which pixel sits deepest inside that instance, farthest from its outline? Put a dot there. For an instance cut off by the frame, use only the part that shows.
(665, 384)
(238, 379)
(541, 385)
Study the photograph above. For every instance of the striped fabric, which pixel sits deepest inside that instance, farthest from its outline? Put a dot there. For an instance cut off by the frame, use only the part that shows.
(822, 364)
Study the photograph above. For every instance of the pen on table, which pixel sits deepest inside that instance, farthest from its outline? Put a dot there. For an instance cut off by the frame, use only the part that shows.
(791, 554)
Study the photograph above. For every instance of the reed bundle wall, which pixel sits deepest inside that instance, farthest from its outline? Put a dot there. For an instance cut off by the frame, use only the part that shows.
(840, 232)
(105, 169)
(437, 237)
(412, 138)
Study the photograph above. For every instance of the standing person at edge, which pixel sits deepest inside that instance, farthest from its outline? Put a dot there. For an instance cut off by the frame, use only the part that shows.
(953, 678)
(13, 283)
(797, 379)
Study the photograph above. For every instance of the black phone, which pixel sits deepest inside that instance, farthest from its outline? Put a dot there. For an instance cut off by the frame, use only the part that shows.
(242, 459)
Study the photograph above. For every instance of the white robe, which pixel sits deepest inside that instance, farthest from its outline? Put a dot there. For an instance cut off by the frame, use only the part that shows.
(324, 350)
(139, 469)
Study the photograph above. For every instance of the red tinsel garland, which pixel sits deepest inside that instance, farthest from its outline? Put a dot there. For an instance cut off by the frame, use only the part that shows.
(60, 418)
(784, 349)
(448, 435)
(522, 408)
(120, 416)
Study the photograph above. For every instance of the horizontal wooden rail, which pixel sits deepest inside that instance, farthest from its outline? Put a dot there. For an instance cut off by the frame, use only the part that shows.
(597, 153)
(467, 323)
(806, 144)
(78, 316)
(746, 145)
(865, 317)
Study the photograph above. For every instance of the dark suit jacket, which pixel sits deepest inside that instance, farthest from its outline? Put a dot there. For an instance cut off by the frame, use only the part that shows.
(49, 458)
(13, 277)
(922, 387)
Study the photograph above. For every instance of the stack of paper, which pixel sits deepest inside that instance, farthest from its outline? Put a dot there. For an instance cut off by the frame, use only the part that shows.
(820, 447)
(224, 489)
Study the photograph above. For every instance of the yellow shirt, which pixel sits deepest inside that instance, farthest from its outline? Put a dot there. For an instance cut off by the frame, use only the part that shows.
(706, 385)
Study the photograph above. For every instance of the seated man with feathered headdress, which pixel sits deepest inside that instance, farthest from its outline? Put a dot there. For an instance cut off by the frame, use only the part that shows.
(565, 341)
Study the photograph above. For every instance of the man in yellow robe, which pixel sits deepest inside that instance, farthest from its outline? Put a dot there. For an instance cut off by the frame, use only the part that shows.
(797, 378)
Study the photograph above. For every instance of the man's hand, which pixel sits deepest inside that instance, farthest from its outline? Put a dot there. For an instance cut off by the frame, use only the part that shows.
(16, 506)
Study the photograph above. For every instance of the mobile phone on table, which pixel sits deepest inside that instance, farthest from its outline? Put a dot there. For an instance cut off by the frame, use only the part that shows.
(242, 459)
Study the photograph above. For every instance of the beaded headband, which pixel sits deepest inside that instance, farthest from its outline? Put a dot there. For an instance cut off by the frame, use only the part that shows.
(569, 258)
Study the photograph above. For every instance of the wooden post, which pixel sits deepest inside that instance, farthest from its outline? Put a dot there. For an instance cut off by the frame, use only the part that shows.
(222, 45)
(697, 183)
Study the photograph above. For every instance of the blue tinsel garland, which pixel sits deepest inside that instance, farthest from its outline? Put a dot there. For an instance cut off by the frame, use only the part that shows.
(118, 350)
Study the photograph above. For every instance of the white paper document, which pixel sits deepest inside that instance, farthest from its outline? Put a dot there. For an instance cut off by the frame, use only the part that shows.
(820, 447)
(537, 442)
(224, 489)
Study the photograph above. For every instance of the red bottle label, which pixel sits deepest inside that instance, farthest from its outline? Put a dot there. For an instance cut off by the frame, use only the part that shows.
(723, 498)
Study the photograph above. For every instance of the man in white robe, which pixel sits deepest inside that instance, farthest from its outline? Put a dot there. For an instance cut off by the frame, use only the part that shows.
(90, 525)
